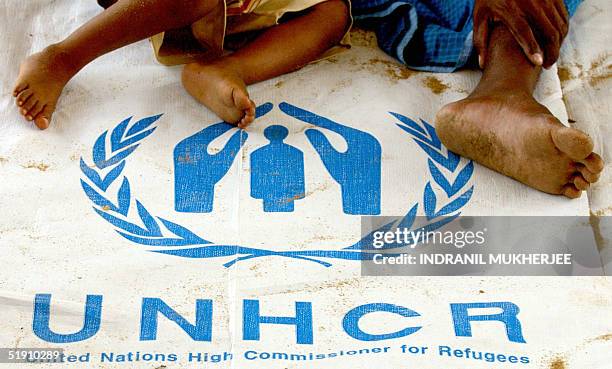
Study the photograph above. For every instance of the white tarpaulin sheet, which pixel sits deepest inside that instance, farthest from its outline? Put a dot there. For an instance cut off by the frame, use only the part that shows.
(585, 70)
(111, 252)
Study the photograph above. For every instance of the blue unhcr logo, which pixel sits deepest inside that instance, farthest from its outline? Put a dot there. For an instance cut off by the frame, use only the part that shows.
(277, 179)
(277, 169)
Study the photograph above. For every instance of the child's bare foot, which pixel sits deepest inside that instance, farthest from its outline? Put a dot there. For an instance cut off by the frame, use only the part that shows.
(518, 137)
(41, 79)
(221, 90)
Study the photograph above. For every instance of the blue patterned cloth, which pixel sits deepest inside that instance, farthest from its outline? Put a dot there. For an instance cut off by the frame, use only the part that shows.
(430, 35)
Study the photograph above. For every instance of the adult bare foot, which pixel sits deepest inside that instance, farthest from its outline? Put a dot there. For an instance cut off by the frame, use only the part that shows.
(41, 79)
(221, 90)
(516, 136)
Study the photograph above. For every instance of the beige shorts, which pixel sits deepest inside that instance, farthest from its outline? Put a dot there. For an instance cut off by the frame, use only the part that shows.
(213, 35)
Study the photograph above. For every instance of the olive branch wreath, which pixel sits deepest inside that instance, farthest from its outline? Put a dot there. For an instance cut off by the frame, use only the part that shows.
(111, 150)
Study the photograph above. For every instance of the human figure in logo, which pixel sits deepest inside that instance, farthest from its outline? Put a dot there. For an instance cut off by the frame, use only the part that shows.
(196, 171)
(357, 170)
(277, 172)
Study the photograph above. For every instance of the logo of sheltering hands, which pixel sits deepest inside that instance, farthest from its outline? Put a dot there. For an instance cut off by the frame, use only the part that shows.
(277, 179)
(277, 169)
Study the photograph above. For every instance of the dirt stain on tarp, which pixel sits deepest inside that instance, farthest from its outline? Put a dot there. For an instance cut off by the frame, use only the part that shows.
(361, 37)
(389, 68)
(594, 75)
(393, 70)
(597, 79)
(603, 212)
(564, 74)
(605, 337)
(435, 85)
(301, 196)
(600, 240)
(184, 159)
(558, 363)
(341, 85)
(294, 198)
(40, 166)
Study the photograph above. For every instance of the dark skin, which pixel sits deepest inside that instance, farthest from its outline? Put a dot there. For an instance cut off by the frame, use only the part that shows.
(538, 26)
(220, 85)
(500, 125)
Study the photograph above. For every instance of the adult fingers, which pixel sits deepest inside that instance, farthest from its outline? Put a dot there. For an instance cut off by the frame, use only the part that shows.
(521, 30)
(551, 39)
(562, 10)
(481, 38)
(561, 21)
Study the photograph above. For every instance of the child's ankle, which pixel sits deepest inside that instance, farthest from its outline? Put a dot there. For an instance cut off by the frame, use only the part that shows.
(231, 64)
(63, 60)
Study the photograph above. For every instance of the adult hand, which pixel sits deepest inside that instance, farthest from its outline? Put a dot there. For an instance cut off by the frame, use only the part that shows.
(539, 26)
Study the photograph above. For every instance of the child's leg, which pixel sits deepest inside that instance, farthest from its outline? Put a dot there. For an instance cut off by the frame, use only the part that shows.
(43, 76)
(501, 126)
(220, 85)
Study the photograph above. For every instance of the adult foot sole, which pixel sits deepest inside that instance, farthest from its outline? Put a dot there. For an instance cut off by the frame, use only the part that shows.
(518, 137)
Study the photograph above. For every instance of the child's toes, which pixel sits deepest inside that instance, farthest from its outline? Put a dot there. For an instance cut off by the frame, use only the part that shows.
(19, 88)
(42, 122)
(241, 99)
(29, 104)
(23, 96)
(244, 122)
(250, 114)
(251, 109)
(43, 119)
(37, 109)
(32, 108)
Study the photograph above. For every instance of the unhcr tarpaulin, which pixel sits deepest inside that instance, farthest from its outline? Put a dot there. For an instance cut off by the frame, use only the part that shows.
(140, 232)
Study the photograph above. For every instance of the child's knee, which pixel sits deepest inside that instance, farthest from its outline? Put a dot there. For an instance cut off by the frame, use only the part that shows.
(335, 9)
(207, 6)
(337, 12)
(194, 7)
